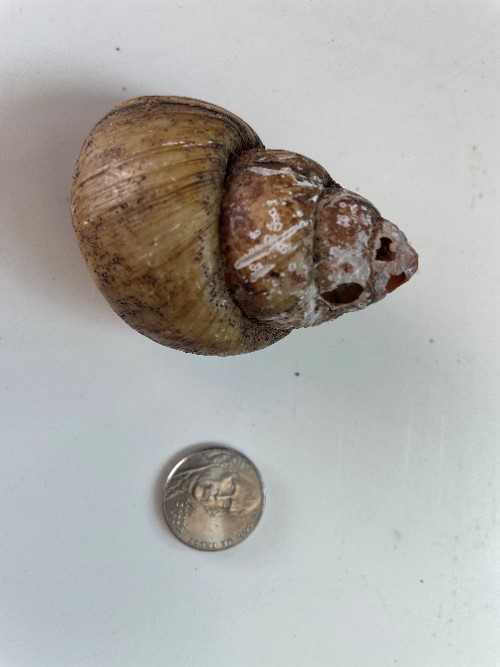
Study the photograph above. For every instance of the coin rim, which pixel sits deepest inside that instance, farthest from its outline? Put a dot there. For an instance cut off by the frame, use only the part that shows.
(208, 449)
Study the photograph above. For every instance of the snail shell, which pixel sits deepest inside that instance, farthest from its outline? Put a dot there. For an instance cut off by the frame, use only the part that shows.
(204, 241)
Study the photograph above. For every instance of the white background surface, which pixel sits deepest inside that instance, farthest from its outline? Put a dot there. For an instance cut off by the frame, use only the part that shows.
(380, 542)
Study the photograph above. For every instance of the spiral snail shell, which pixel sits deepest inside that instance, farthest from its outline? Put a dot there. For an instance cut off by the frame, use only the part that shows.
(202, 240)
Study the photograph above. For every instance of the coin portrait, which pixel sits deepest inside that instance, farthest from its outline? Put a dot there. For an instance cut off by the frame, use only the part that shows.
(213, 498)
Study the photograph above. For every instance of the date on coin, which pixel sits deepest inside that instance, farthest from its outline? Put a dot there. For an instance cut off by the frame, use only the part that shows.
(214, 498)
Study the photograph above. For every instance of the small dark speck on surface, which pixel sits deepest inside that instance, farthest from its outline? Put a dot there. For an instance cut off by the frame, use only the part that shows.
(296, 373)
(123, 88)
(421, 581)
(117, 48)
(431, 340)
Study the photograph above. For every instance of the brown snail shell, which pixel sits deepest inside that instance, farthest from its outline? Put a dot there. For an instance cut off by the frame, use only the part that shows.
(204, 241)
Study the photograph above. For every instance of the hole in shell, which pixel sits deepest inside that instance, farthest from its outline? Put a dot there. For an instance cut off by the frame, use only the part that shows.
(343, 294)
(395, 281)
(384, 253)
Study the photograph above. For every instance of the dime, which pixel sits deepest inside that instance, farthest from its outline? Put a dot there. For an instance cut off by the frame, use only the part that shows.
(213, 499)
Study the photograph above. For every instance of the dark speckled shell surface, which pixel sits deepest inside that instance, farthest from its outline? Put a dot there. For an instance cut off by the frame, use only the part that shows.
(146, 201)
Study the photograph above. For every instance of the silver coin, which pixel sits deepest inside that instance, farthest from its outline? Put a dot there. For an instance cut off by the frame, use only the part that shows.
(213, 499)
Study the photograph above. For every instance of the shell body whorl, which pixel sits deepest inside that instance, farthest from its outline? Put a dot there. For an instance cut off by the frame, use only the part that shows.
(206, 242)
(146, 202)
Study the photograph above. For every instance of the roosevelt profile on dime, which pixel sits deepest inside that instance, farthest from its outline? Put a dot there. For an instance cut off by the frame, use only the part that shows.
(213, 498)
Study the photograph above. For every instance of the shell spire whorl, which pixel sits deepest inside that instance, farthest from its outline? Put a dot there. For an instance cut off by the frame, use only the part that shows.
(301, 250)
